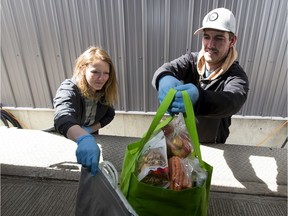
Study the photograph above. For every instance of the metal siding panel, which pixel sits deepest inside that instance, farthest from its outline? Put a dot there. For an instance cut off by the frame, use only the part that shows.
(152, 26)
(114, 34)
(43, 39)
(157, 36)
(11, 47)
(6, 92)
(33, 60)
(246, 45)
(276, 55)
(133, 75)
(263, 49)
(48, 32)
(178, 28)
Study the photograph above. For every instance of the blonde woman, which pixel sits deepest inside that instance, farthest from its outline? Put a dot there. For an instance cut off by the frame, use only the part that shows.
(84, 104)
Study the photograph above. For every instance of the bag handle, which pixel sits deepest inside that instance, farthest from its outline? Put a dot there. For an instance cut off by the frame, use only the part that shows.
(157, 118)
(189, 118)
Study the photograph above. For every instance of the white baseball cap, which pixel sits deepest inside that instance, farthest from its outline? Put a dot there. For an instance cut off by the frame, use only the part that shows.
(220, 19)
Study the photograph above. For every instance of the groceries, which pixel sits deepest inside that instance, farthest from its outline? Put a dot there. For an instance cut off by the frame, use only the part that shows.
(177, 138)
(152, 165)
(167, 161)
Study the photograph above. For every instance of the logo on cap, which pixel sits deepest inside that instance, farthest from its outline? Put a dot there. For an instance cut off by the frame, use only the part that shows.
(213, 16)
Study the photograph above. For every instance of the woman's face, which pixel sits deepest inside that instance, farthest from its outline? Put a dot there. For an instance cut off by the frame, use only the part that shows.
(97, 74)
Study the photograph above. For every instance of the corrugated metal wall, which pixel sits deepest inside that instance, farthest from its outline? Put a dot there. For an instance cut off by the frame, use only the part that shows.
(40, 40)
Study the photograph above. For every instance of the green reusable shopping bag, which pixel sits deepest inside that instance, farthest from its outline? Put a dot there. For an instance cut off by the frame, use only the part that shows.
(148, 200)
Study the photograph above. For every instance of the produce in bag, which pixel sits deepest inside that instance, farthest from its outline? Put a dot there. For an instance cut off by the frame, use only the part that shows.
(177, 138)
(152, 163)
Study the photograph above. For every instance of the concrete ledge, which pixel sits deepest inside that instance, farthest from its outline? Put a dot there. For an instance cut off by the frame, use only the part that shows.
(248, 130)
(39, 172)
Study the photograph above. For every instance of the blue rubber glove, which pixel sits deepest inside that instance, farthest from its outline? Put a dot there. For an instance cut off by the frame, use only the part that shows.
(87, 129)
(165, 83)
(177, 105)
(88, 153)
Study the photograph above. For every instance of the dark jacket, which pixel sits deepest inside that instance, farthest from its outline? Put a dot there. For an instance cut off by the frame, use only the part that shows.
(219, 99)
(70, 108)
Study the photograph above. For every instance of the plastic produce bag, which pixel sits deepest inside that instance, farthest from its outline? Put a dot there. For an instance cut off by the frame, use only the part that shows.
(199, 175)
(177, 138)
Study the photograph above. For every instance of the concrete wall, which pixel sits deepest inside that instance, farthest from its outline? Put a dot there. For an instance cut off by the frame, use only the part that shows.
(255, 131)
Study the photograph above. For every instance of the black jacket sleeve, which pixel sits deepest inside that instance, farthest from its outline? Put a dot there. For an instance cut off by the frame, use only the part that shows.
(181, 68)
(68, 106)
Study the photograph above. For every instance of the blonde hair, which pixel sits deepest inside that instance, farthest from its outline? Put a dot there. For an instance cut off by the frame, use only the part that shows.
(109, 90)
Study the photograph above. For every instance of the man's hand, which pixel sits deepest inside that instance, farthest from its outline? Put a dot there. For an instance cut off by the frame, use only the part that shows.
(88, 153)
(177, 105)
(165, 83)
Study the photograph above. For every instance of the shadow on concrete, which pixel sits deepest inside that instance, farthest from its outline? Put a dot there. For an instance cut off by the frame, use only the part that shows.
(261, 170)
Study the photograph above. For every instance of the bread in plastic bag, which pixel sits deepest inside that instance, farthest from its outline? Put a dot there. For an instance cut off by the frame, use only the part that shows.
(152, 163)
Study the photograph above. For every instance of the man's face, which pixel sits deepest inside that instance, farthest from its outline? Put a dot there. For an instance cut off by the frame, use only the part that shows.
(216, 45)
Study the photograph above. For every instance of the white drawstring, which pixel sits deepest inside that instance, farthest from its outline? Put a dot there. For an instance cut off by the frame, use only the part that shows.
(110, 173)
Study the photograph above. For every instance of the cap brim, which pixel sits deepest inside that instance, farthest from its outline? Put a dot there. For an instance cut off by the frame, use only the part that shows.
(198, 31)
(219, 29)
